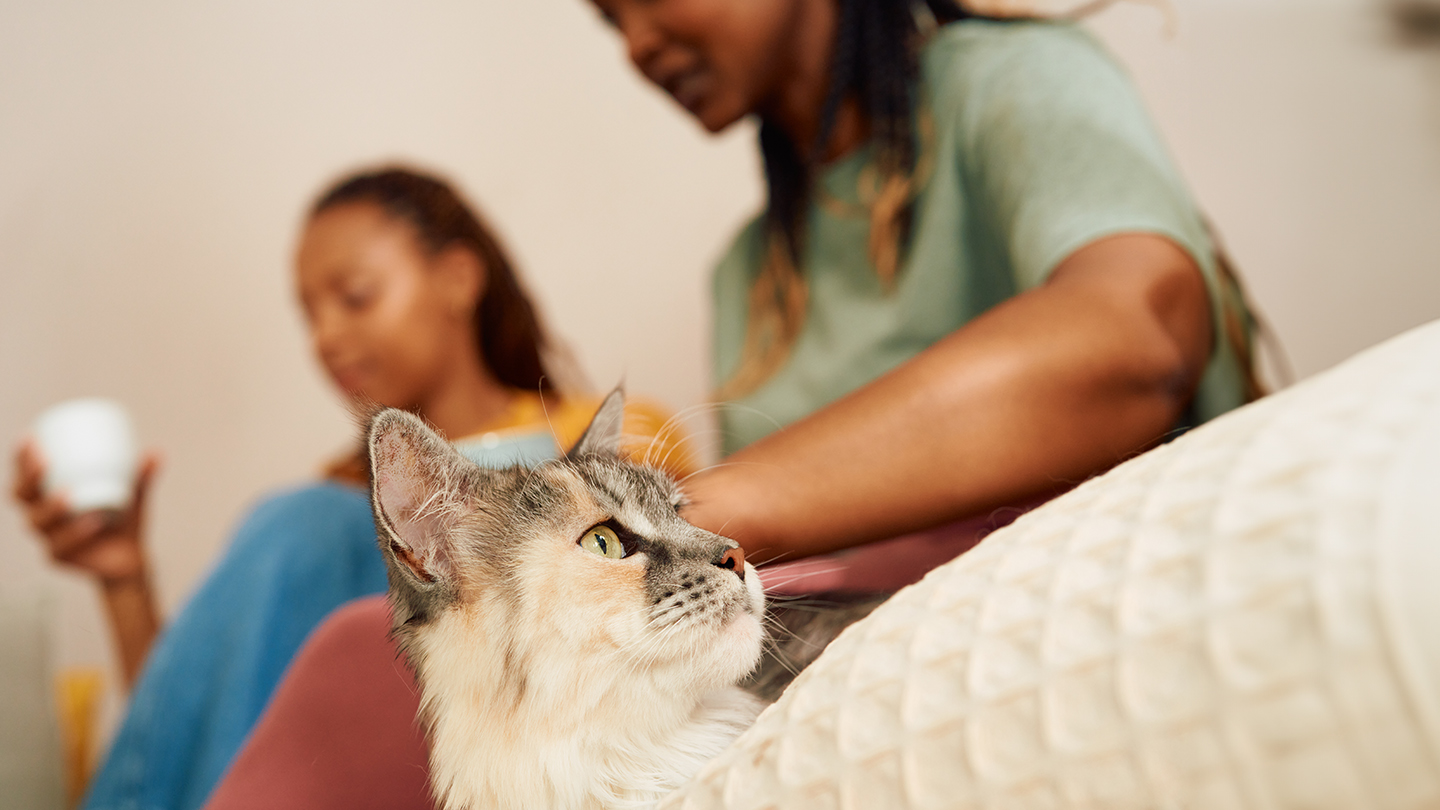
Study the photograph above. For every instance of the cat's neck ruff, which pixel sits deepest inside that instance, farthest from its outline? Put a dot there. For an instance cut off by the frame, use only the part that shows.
(609, 736)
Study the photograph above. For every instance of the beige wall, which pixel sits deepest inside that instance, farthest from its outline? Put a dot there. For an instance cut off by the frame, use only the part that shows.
(155, 157)
(1313, 141)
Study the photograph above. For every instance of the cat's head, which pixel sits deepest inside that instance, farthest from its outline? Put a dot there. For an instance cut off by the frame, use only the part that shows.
(580, 562)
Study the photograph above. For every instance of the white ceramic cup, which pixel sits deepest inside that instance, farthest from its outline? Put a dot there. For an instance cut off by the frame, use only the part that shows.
(89, 452)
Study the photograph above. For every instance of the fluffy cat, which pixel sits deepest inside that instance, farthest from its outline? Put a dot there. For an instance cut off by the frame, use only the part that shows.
(576, 642)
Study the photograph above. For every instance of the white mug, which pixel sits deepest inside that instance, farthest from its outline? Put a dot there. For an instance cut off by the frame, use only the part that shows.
(89, 452)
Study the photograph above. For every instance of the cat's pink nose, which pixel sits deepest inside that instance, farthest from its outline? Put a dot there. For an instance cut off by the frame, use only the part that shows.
(733, 559)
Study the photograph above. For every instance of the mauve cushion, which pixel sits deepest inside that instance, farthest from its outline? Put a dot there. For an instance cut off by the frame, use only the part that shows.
(340, 731)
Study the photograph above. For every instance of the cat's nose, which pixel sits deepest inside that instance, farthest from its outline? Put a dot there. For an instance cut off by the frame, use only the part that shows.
(734, 560)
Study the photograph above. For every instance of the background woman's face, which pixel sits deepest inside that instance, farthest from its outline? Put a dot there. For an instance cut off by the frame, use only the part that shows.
(719, 59)
(380, 322)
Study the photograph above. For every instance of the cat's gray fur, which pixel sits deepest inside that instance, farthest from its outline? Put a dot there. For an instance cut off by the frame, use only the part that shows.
(552, 677)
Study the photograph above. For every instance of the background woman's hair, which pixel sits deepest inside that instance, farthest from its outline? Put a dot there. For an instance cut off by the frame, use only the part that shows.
(511, 339)
(876, 62)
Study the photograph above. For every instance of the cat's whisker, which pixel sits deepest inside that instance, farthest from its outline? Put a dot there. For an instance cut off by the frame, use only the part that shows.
(772, 560)
(722, 464)
(550, 425)
(656, 642)
(769, 561)
(664, 616)
(735, 406)
(774, 581)
(778, 628)
(671, 448)
(676, 419)
(646, 653)
(670, 429)
(779, 656)
(665, 431)
(809, 606)
(532, 478)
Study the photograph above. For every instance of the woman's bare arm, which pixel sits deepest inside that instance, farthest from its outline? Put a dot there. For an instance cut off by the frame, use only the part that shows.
(134, 620)
(1039, 393)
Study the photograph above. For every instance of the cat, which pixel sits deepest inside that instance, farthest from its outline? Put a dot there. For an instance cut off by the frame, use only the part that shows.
(576, 642)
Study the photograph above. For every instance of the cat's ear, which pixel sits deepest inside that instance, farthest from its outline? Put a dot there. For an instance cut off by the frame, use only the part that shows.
(602, 437)
(415, 491)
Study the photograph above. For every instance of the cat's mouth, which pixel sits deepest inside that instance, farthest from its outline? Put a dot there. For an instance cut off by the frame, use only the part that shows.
(702, 605)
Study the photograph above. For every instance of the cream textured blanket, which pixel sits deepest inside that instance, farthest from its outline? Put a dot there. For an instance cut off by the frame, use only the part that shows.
(1248, 617)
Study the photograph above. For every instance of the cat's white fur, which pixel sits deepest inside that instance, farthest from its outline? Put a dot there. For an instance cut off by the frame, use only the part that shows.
(595, 732)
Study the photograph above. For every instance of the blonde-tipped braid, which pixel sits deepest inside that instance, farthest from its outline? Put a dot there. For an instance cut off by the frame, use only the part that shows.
(779, 296)
(777, 312)
(875, 63)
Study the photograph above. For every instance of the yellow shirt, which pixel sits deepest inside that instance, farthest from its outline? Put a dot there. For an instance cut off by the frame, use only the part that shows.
(649, 434)
(534, 428)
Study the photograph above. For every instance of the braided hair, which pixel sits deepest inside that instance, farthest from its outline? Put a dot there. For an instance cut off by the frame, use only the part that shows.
(875, 62)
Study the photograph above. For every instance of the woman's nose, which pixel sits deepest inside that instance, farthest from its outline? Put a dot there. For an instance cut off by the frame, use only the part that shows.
(643, 38)
(732, 559)
(325, 332)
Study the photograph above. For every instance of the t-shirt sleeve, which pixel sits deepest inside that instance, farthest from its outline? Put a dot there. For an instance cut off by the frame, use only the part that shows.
(1057, 146)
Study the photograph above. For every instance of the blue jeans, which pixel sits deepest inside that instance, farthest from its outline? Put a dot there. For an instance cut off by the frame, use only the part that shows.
(297, 556)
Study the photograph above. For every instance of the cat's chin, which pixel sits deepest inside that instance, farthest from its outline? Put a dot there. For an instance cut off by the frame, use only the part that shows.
(739, 644)
(744, 630)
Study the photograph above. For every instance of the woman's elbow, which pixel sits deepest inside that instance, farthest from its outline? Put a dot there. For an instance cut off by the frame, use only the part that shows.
(1150, 322)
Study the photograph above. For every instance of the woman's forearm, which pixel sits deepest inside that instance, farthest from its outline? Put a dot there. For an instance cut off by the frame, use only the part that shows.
(134, 619)
(1036, 395)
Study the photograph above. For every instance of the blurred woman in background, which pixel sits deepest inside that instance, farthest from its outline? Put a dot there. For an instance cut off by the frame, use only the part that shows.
(410, 303)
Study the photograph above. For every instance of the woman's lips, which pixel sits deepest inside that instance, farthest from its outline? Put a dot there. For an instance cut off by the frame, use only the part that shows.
(689, 88)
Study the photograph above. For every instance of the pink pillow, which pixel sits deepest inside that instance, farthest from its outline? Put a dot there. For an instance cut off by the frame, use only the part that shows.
(340, 731)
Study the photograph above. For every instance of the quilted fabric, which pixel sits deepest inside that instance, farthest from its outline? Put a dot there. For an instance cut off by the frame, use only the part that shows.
(1239, 619)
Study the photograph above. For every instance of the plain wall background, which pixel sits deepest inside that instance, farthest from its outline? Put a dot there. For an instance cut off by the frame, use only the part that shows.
(155, 159)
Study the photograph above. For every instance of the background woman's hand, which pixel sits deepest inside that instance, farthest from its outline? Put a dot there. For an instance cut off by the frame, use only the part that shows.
(107, 545)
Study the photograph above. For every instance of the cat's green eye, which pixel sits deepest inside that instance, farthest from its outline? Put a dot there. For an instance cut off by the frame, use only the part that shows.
(602, 540)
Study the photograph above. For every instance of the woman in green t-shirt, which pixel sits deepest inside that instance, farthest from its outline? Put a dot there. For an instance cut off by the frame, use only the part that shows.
(978, 279)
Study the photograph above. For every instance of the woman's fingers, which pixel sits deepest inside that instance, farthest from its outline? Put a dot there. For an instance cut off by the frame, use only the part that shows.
(77, 535)
(135, 513)
(28, 473)
(46, 514)
(103, 543)
(146, 474)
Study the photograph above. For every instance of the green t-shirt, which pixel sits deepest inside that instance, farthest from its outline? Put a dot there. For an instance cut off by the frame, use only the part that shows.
(1039, 145)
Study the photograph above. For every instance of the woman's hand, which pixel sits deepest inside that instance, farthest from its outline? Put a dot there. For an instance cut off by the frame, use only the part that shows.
(106, 545)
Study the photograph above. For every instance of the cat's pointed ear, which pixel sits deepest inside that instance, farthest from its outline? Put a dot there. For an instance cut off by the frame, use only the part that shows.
(602, 437)
(416, 493)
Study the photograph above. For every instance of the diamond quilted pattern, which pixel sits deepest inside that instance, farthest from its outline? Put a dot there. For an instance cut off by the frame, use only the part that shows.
(1206, 626)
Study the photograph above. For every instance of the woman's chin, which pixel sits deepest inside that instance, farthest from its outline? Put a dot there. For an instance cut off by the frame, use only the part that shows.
(715, 118)
(352, 387)
(365, 397)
